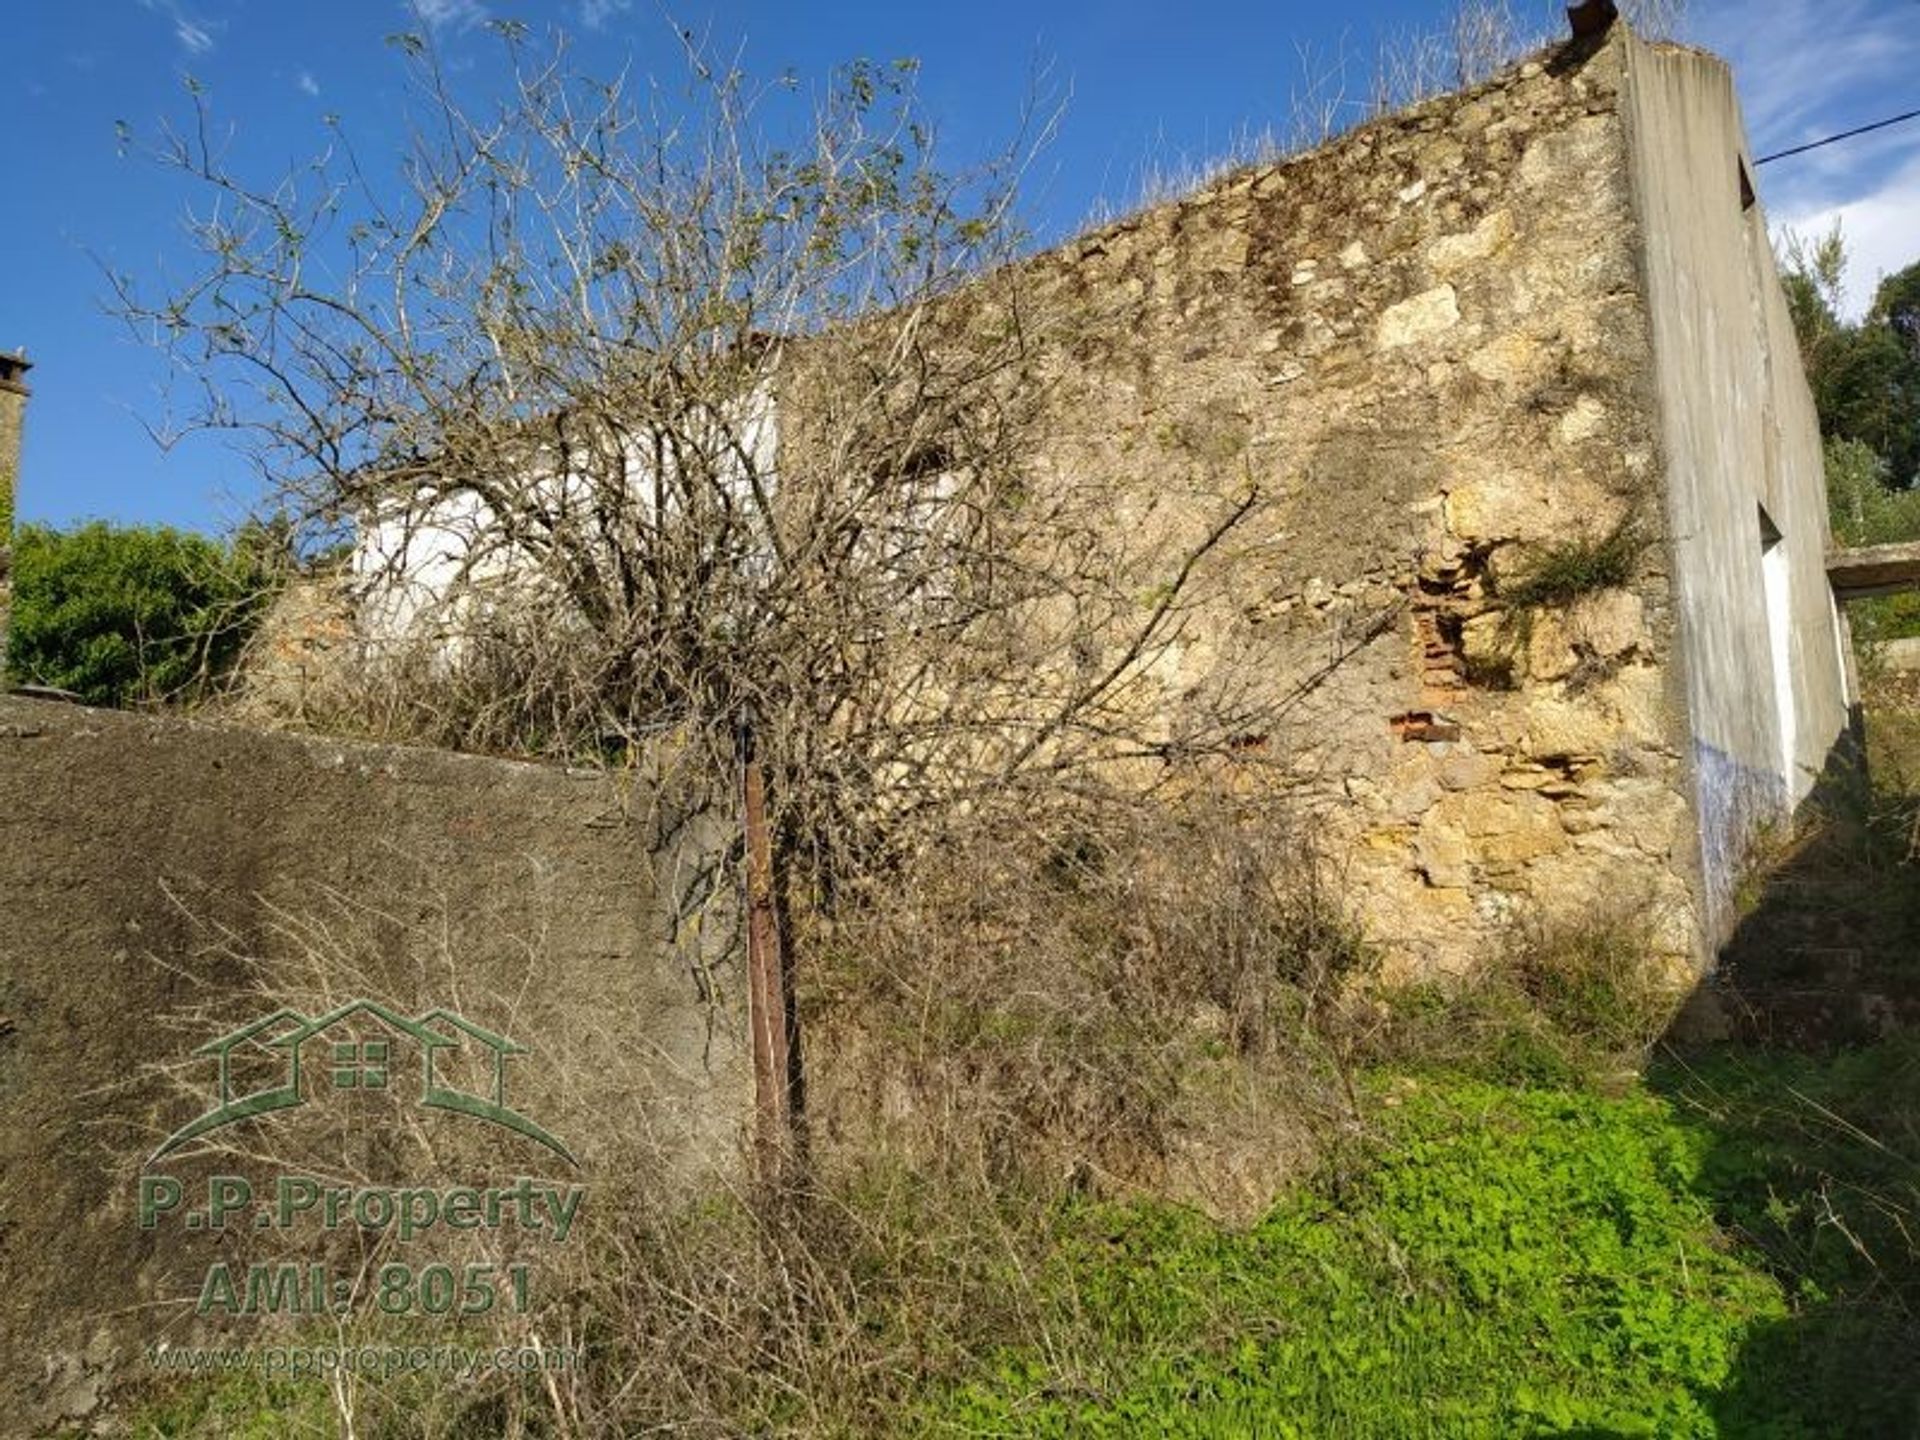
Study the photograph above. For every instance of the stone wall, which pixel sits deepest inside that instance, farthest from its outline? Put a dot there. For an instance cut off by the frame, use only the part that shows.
(1512, 375)
(1427, 344)
(162, 880)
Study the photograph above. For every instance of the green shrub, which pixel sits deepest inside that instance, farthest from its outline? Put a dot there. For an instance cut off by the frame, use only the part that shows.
(1585, 565)
(238, 1405)
(132, 615)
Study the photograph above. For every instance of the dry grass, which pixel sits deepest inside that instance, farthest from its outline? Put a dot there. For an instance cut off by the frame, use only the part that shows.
(1124, 1000)
(1104, 1001)
(1110, 999)
(328, 949)
(1067, 998)
(1563, 1002)
(1339, 89)
(1893, 756)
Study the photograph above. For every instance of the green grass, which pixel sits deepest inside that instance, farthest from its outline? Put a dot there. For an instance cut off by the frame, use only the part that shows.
(1724, 1249)
(240, 1406)
(1505, 1262)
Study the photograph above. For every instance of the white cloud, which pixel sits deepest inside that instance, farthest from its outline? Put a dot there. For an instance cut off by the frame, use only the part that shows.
(306, 83)
(1806, 69)
(595, 13)
(1798, 61)
(194, 33)
(1881, 229)
(448, 14)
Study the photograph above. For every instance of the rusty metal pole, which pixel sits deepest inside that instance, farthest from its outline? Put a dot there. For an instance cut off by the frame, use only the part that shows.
(766, 975)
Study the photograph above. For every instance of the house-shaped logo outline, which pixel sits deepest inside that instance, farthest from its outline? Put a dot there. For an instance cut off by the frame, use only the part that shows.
(423, 1032)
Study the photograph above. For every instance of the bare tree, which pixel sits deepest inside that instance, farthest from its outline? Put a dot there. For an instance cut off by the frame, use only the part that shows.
(715, 414)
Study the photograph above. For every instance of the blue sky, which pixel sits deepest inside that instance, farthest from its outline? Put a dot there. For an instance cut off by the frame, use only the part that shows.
(1151, 88)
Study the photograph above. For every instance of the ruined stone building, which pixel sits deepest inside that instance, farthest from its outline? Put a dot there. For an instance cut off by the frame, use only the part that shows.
(1519, 365)
(1541, 563)
(1538, 584)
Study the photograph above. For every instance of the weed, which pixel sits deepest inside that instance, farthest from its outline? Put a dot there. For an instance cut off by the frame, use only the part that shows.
(1058, 994)
(1563, 573)
(1829, 909)
(241, 1406)
(1814, 1168)
(1497, 671)
(1564, 1003)
(1595, 978)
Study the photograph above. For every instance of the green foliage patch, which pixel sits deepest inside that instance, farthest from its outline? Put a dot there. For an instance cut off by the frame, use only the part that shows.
(1865, 379)
(1864, 510)
(1865, 376)
(1503, 1262)
(132, 615)
(236, 1406)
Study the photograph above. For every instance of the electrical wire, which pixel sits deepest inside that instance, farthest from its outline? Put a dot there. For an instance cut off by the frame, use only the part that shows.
(1835, 139)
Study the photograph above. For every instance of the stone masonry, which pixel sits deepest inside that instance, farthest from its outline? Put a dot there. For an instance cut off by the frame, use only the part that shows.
(1439, 348)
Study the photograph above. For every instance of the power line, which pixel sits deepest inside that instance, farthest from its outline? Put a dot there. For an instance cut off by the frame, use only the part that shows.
(1835, 139)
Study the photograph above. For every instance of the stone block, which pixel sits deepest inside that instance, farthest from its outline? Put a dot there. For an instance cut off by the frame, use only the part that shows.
(1453, 253)
(1430, 313)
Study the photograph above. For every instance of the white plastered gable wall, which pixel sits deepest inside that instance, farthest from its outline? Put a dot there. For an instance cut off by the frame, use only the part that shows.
(423, 573)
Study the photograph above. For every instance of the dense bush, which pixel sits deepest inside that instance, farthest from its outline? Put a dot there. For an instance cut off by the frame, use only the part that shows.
(1090, 986)
(1863, 508)
(132, 615)
(1865, 376)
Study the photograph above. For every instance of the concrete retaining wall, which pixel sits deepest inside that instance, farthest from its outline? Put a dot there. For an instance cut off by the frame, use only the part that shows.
(162, 881)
